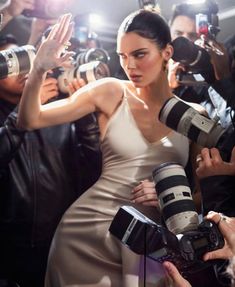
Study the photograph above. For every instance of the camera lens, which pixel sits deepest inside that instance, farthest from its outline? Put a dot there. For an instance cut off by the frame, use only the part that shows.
(175, 197)
(94, 54)
(189, 122)
(89, 72)
(16, 61)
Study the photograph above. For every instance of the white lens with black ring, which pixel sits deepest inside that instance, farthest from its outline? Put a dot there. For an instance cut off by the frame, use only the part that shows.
(175, 199)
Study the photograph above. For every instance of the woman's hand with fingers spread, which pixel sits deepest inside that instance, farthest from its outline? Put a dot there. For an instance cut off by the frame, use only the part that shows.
(52, 52)
(145, 193)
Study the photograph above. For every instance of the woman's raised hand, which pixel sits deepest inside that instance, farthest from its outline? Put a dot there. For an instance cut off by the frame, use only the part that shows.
(52, 52)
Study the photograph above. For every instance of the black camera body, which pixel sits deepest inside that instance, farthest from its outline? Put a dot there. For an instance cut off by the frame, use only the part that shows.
(194, 59)
(206, 17)
(145, 237)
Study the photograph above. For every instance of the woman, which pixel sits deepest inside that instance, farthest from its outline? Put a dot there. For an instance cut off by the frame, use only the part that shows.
(133, 142)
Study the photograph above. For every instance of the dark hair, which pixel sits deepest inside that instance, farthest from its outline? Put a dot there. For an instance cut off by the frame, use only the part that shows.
(183, 9)
(147, 24)
(7, 39)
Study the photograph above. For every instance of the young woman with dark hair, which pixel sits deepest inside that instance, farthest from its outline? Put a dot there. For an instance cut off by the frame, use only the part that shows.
(133, 142)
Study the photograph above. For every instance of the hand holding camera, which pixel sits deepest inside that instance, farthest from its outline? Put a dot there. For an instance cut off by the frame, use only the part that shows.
(184, 241)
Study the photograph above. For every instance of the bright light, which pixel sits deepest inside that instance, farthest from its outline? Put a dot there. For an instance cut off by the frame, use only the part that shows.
(195, 1)
(95, 20)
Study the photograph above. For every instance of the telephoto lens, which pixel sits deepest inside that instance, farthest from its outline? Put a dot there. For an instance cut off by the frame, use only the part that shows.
(93, 54)
(89, 72)
(175, 199)
(187, 121)
(195, 59)
(16, 61)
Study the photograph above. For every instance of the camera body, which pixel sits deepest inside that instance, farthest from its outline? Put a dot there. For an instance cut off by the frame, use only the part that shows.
(206, 18)
(194, 59)
(181, 240)
(145, 237)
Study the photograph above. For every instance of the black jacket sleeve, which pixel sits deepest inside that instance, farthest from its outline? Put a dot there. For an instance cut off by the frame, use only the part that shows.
(11, 137)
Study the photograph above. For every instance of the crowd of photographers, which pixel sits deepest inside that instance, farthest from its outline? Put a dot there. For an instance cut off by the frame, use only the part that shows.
(44, 171)
(41, 172)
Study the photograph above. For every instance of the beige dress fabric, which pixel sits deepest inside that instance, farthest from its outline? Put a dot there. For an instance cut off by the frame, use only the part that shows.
(83, 252)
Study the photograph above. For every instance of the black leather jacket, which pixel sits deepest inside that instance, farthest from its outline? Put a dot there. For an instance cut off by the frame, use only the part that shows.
(39, 177)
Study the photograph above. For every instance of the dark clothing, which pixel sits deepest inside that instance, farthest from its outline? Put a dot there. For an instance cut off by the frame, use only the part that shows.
(39, 179)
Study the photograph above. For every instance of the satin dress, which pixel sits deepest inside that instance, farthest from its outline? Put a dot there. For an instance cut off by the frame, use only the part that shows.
(83, 252)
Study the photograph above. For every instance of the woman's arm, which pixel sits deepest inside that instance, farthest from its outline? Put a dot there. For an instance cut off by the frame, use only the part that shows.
(96, 96)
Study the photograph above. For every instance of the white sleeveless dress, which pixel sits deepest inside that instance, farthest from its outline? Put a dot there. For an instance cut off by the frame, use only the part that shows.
(83, 252)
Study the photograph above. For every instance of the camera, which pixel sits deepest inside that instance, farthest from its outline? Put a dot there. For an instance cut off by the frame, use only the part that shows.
(206, 132)
(195, 60)
(186, 242)
(47, 9)
(206, 18)
(16, 61)
(90, 65)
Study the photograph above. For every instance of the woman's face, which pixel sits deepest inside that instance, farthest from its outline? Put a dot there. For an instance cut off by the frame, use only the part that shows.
(140, 58)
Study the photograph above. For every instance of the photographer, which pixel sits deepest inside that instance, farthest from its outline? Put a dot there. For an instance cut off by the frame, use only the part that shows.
(227, 228)
(183, 23)
(36, 169)
(216, 194)
(14, 23)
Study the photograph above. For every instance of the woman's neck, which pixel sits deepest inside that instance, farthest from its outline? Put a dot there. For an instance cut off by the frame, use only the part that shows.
(157, 92)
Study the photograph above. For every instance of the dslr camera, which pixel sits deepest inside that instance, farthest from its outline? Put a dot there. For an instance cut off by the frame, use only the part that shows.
(196, 60)
(89, 65)
(182, 240)
(206, 132)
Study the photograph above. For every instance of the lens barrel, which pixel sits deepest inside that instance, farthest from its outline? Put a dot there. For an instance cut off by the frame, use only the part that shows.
(16, 61)
(175, 197)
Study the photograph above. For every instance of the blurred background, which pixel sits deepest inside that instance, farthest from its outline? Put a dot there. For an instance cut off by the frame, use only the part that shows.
(103, 17)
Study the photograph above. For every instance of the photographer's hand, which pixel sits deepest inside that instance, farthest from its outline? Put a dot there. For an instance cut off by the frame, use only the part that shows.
(145, 193)
(173, 68)
(218, 55)
(176, 277)
(210, 163)
(49, 90)
(75, 85)
(227, 227)
(15, 8)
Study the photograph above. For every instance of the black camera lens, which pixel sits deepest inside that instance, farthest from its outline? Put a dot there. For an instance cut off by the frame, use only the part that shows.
(16, 61)
(175, 197)
(195, 59)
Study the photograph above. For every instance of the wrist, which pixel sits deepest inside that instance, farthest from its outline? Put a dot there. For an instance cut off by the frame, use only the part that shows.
(38, 69)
